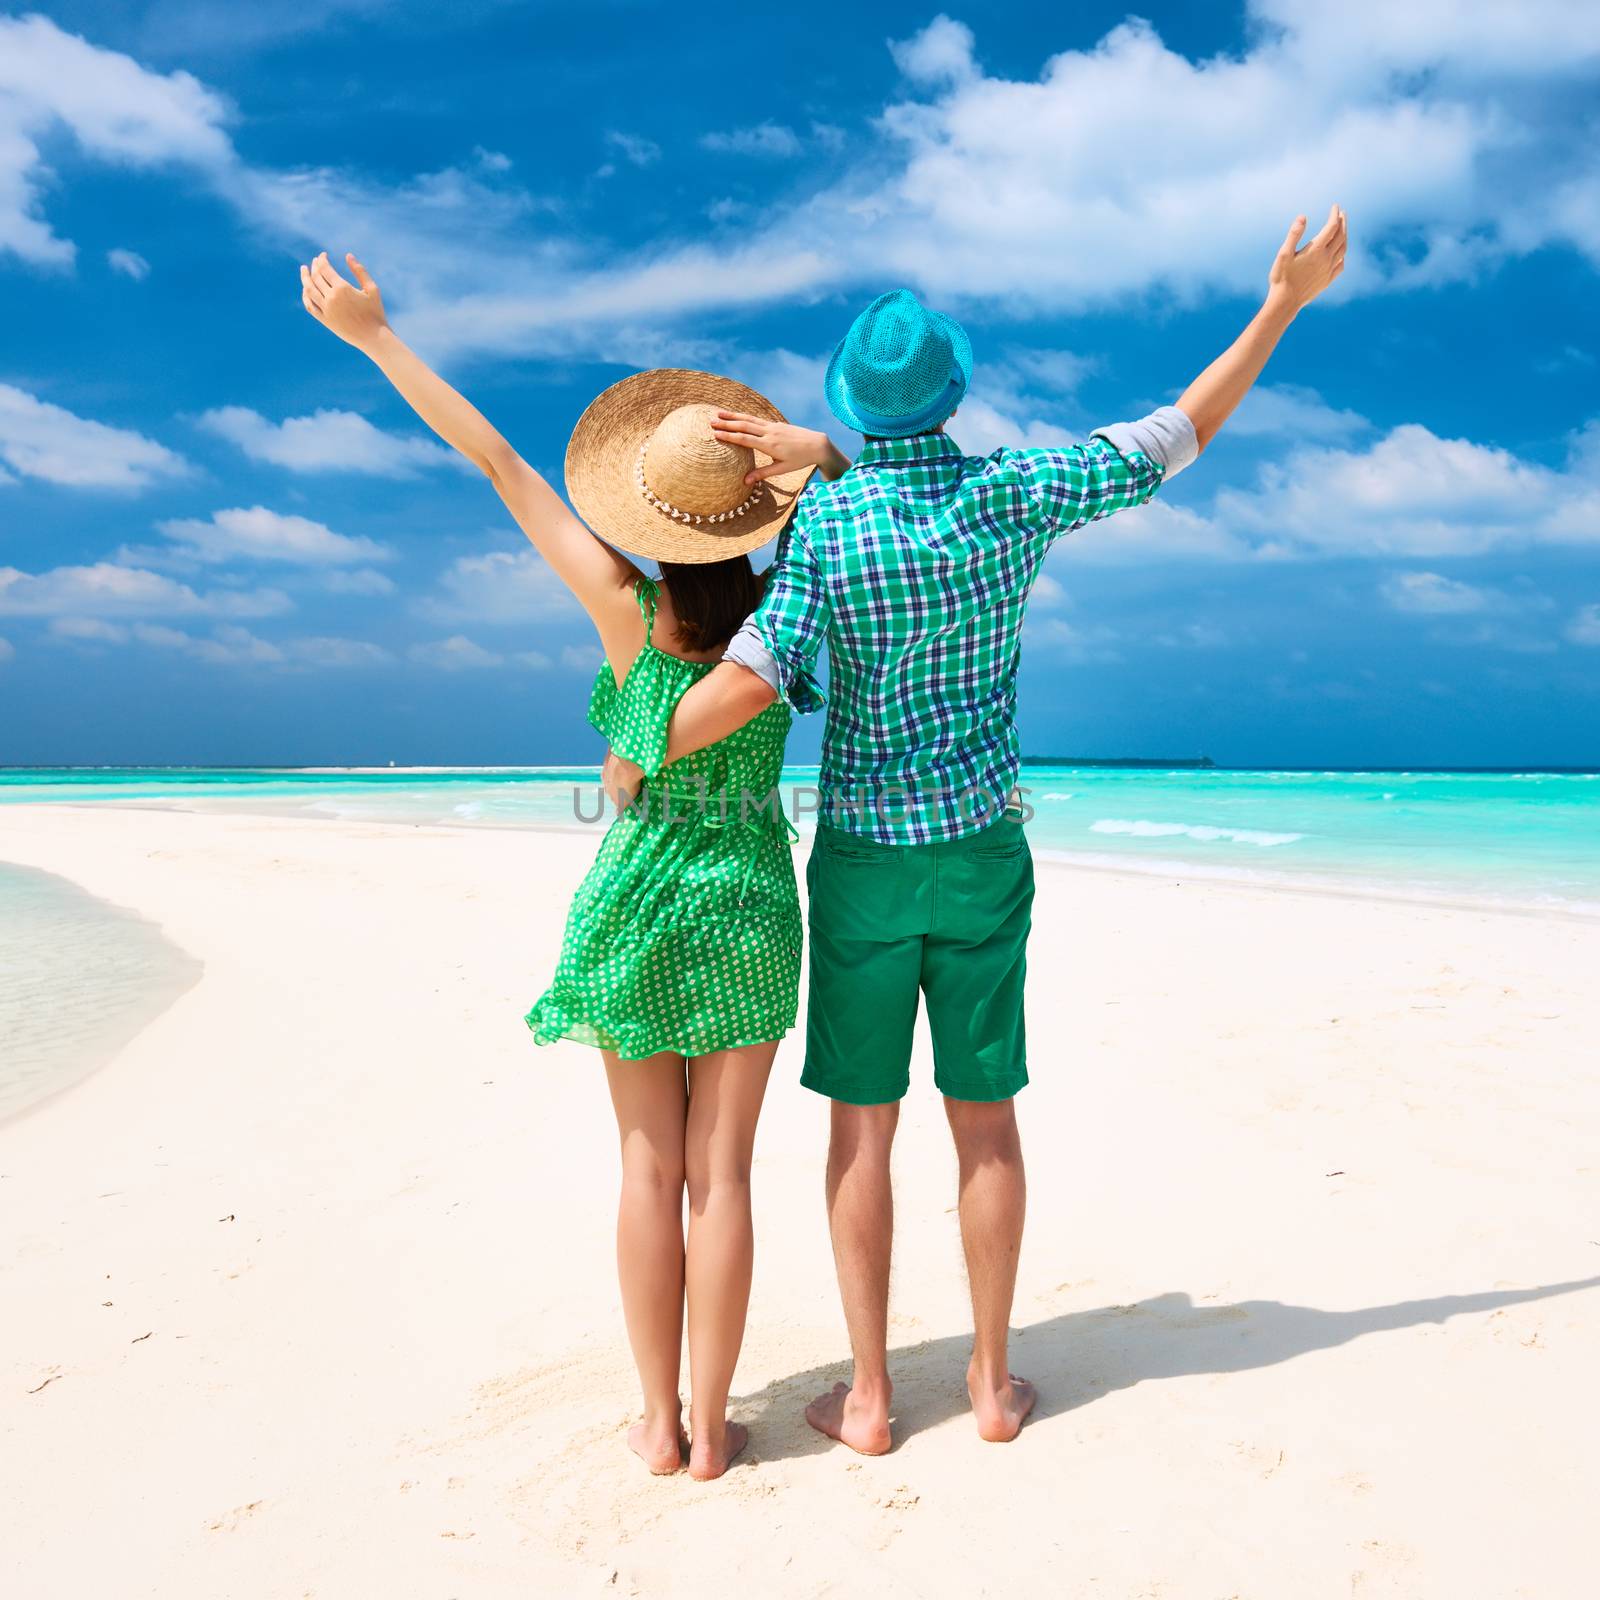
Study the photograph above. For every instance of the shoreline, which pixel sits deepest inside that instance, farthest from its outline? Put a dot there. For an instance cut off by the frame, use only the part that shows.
(323, 1259)
(136, 973)
(1266, 880)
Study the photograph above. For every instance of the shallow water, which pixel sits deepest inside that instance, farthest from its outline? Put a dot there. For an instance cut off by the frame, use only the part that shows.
(78, 978)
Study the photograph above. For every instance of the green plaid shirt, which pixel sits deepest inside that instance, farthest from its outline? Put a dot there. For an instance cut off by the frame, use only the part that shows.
(915, 567)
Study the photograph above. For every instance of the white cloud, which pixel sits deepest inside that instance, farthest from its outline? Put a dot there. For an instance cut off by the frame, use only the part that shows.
(8, 650)
(941, 53)
(90, 629)
(41, 440)
(455, 654)
(107, 589)
(1128, 166)
(793, 383)
(1431, 594)
(357, 580)
(117, 111)
(325, 441)
(1408, 493)
(1070, 640)
(1585, 626)
(500, 586)
(129, 263)
(1118, 169)
(1054, 372)
(324, 651)
(1293, 412)
(228, 644)
(1487, 39)
(186, 28)
(581, 657)
(1414, 493)
(1047, 591)
(981, 426)
(253, 533)
(231, 645)
(769, 139)
(640, 151)
(1161, 529)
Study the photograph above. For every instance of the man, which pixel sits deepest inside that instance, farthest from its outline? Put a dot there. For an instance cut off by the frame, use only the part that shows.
(915, 567)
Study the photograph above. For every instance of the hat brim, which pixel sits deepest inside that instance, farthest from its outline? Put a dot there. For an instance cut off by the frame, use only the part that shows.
(606, 442)
(842, 404)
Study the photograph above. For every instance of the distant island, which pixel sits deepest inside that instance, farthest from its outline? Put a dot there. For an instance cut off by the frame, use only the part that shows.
(1117, 761)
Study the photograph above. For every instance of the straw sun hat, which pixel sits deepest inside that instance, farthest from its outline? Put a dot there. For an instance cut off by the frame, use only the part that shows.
(645, 473)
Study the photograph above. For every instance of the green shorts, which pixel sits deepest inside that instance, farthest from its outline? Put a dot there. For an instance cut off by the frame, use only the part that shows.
(950, 920)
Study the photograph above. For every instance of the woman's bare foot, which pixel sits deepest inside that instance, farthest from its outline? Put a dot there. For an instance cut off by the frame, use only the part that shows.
(1000, 1407)
(858, 1421)
(660, 1445)
(714, 1448)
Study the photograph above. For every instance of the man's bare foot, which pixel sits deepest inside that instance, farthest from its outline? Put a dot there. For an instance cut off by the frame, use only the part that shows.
(1000, 1408)
(714, 1448)
(862, 1424)
(660, 1445)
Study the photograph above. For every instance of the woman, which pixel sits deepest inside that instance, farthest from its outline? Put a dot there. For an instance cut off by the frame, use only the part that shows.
(682, 950)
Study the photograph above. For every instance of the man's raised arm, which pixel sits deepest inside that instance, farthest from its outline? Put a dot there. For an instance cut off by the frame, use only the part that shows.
(1297, 278)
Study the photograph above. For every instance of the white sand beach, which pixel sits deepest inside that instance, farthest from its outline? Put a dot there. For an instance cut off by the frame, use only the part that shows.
(310, 1292)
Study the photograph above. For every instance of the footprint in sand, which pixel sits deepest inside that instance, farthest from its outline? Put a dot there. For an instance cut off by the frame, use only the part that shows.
(236, 1518)
(589, 1496)
(1387, 1571)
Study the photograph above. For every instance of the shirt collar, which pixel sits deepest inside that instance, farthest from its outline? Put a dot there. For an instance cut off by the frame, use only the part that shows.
(920, 448)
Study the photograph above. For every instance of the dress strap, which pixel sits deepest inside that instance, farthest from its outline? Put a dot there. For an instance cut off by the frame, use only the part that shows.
(646, 593)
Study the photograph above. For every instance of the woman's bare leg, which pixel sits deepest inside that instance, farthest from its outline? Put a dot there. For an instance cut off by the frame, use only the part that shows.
(725, 1092)
(651, 1102)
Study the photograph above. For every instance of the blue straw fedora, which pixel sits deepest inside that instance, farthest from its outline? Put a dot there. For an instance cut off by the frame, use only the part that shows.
(901, 369)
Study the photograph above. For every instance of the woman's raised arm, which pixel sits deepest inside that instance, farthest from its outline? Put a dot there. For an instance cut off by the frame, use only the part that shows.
(594, 572)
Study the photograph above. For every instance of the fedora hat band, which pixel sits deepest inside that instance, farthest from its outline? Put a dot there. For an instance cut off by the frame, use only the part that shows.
(667, 509)
(935, 411)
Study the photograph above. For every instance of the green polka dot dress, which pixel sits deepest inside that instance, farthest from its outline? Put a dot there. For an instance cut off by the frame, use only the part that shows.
(685, 936)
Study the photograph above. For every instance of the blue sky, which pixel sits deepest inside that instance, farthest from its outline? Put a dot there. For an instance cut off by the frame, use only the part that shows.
(222, 539)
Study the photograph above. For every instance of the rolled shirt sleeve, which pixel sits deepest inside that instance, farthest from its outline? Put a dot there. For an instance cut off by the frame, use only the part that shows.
(1167, 436)
(780, 641)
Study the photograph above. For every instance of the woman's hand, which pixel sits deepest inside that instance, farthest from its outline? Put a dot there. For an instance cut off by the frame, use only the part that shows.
(621, 779)
(791, 448)
(355, 314)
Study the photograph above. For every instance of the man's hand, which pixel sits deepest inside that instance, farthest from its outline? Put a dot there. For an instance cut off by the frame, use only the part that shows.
(621, 779)
(791, 448)
(355, 314)
(1299, 276)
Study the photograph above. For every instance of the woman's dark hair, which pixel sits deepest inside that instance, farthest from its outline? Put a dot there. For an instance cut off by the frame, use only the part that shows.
(712, 598)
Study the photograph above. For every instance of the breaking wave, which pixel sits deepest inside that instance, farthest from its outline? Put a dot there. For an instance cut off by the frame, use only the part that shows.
(1192, 830)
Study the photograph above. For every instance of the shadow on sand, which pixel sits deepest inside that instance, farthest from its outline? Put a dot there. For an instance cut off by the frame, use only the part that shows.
(1077, 1357)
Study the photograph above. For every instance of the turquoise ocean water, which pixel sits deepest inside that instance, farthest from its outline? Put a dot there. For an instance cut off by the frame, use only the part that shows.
(1527, 840)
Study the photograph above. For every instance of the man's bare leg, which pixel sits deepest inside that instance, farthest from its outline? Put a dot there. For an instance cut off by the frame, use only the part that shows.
(993, 1201)
(861, 1220)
